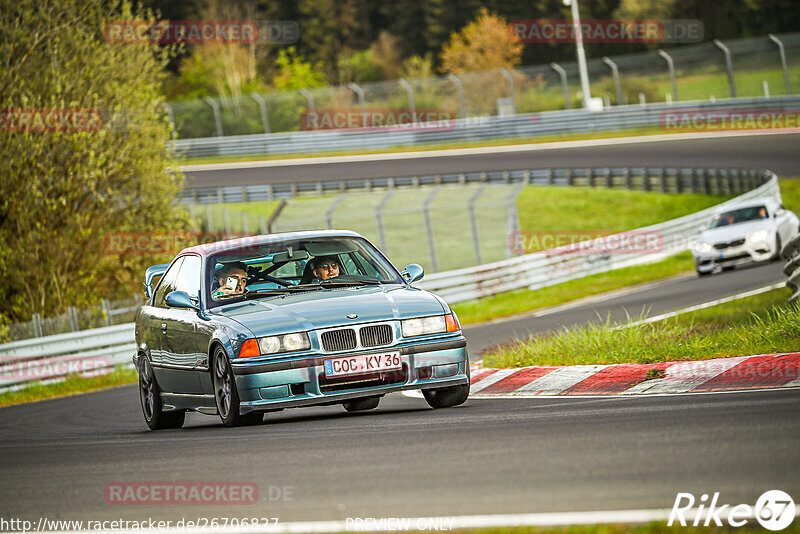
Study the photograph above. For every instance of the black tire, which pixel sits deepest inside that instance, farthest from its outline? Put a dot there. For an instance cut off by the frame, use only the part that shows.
(150, 396)
(226, 395)
(362, 405)
(703, 273)
(777, 255)
(446, 397)
(729, 268)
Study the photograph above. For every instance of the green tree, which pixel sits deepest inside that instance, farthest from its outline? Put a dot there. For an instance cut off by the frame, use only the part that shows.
(294, 72)
(63, 190)
(483, 44)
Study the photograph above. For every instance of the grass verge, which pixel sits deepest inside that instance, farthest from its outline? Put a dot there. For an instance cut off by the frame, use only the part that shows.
(760, 324)
(524, 300)
(72, 385)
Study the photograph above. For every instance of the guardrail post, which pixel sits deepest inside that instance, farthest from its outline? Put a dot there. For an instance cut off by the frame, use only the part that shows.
(628, 181)
(37, 325)
(662, 180)
(106, 307)
(73, 318)
(728, 65)
(706, 182)
(511, 92)
(455, 80)
(645, 180)
(473, 223)
(361, 102)
(570, 177)
(615, 76)
(245, 195)
(410, 93)
(608, 178)
(671, 68)
(262, 104)
(334, 206)
(426, 207)
(379, 220)
(217, 117)
(782, 53)
(563, 75)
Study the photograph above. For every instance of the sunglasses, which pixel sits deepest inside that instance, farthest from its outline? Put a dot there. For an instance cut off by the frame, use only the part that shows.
(328, 266)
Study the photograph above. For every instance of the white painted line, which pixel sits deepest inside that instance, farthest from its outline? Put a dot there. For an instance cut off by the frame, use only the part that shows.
(558, 380)
(492, 378)
(703, 305)
(685, 376)
(447, 523)
(558, 145)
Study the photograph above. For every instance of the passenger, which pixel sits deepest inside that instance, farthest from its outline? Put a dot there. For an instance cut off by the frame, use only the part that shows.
(230, 282)
(325, 267)
(762, 212)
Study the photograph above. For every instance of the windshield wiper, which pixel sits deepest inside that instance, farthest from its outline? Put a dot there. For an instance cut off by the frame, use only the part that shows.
(349, 282)
(274, 291)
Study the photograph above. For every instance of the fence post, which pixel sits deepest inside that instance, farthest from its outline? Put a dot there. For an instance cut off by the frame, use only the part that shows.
(361, 102)
(563, 75)
(334, 206)
(37, 325)
(426, 207)
(782, 53)
(511, 92)
(106, 306)
(262, 223)
(209, 220)
(262, 104)
(728, 65)
(460, 89)
(245, 224)
(615, 76)
(226, 216)
(217, 117)
(513, 219)
(671, 68)
(410, 92)
(275, 215)
(309, 99)
(73, 318)
(476, 243)
(379, 220)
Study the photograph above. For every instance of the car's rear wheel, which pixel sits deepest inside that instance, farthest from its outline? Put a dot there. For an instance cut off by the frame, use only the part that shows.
(150, 395)
(226, 395)
(361, 405)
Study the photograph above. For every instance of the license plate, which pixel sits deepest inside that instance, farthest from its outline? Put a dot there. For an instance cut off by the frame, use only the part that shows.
(363, 363)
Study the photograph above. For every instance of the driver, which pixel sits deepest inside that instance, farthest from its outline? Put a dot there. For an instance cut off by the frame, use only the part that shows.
(325, 267)
(231, 281)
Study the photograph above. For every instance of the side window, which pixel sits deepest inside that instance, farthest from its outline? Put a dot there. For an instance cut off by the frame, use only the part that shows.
(348, 266)
(167, 284)
(188, 278)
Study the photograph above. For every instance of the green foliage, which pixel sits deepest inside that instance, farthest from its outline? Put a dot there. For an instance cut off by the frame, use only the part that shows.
(62, 191)
(294, 72)
(358, 66)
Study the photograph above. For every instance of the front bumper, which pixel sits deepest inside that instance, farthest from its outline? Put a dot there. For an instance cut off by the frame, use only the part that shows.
(301, 381)
(732, 256)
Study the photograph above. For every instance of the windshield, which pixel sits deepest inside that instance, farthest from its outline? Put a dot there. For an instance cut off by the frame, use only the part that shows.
(741, 215)
(293, 266)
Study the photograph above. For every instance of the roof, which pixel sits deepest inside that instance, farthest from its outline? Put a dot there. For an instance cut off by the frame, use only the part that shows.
(763, 201)
(207, 249)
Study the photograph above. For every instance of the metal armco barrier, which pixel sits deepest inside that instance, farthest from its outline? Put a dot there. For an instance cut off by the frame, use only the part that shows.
(478, 129)
(92, 350)
(791, 253)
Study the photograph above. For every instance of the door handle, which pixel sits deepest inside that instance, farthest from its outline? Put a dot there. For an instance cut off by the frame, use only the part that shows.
(164, 328)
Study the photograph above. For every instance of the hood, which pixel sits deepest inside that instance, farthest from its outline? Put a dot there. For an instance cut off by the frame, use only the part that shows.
(328, 308)
(724, 234)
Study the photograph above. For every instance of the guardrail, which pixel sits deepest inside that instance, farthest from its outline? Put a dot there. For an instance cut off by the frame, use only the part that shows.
(791, 253)
(550, 267)
(91, 351)
(477, 129)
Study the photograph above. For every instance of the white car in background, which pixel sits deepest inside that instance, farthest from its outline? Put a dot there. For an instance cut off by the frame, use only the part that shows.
(751, 231)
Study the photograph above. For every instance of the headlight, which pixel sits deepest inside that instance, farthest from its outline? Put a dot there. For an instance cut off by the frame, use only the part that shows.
(285, 343)
(424, 326)
(702, 247)
(760, 235)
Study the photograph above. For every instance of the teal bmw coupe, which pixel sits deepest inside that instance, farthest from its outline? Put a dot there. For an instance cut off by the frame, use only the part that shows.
(243, 327)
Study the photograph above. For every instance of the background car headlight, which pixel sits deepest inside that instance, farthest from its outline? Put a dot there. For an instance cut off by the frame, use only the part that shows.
(760, 235)
(423, 326)
(285, 343)
(703, 247)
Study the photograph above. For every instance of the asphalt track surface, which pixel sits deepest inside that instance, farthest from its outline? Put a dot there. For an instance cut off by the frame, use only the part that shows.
(776, 152)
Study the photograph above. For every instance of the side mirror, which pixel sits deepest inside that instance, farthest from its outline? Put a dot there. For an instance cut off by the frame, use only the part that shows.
(412, 273)
(180, 299)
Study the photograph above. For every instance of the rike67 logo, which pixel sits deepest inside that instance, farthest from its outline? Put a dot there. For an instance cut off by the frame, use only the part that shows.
(774, 510)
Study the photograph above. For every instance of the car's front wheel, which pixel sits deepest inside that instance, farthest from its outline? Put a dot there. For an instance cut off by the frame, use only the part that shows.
(150, 395)
(226, 395)
(446, 397)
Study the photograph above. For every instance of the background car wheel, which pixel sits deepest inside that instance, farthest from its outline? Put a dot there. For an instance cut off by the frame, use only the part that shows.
(150, 395)
(729, 268)
(446, 397)
(703, 273)
(226, 395)
(360, 405)
(777, 255)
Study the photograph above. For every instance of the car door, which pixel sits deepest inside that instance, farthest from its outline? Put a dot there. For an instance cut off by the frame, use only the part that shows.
(156, 313)
(182, 347)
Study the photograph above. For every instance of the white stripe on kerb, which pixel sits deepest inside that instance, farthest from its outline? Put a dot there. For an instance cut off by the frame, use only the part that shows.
(491, 379)
(558, 380)
(685, 376)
